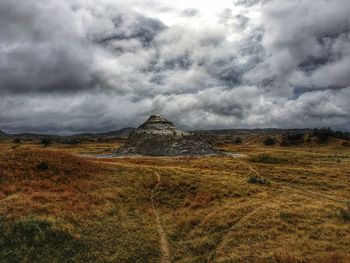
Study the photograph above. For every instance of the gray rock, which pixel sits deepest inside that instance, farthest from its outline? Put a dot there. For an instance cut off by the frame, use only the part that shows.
(159, 137)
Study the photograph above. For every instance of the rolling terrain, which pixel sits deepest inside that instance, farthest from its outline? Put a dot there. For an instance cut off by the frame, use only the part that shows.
(271, 204)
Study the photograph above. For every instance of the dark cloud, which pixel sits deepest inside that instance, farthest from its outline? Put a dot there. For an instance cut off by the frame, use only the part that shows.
(142, 29)
(248, 3)
(70, 66)
(190, 12)
(307, 43)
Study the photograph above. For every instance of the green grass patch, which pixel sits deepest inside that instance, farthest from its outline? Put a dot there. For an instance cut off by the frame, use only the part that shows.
(36, 241)
(268, 159)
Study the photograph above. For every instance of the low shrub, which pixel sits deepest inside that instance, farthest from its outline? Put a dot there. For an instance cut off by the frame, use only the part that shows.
(46, 142)
(292, 139)
(258, 180)
(269, 141)
(42, 166)
(345, 144)
(238, 140)
(17, 141)
(268, 159)
(324, 134)
(345, 213)
(70, 141)
(288, 217)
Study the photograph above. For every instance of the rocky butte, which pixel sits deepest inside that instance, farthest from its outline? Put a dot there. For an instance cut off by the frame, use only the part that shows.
(159, 137)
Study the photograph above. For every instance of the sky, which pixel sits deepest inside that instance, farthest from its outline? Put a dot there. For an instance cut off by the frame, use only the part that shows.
(69, 66)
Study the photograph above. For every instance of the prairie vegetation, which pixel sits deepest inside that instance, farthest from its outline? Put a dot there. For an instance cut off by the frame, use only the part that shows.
(274, 204)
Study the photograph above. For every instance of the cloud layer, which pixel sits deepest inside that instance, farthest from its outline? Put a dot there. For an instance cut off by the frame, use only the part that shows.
(71, 65)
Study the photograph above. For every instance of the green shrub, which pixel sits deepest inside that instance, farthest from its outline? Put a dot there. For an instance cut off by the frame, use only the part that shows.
(258, 180)
(46, 142)
(268, 159)
(41, 167)
(292, 139)
(345, 213)
(288, 217)
(270, 141)
(324, 134)
(17, 141)
(238, 140)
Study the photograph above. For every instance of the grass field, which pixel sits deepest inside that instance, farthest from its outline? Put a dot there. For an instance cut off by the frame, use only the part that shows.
(273, 204)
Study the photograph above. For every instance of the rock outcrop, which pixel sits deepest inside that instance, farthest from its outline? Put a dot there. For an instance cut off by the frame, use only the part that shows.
(159, 137)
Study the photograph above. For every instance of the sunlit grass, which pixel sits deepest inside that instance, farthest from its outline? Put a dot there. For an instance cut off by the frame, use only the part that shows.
(209, 209)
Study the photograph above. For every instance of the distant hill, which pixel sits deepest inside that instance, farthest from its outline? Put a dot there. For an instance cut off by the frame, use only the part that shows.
(251, 131)
(123, 133)
(33, 136)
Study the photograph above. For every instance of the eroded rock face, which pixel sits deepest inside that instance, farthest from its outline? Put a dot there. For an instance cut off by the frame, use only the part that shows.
(159, 137)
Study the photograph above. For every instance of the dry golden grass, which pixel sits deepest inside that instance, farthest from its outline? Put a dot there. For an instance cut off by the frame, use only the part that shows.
(208, 209)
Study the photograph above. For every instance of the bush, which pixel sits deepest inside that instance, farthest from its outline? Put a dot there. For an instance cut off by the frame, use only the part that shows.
(292, 139)
(258, 180)
(288, 217)
(345, 144)
(238, 140)
(265, 158)
(270, 141)
(345, 213)
(70, 141)
(17, 141)
(324, 134)
(42, 167)
(46, 142)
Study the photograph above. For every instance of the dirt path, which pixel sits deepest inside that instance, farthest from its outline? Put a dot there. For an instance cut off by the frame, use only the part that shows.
(291, 187)
(207, 218)
(164, 245)
(220, 252)
(220, 249)
(299, 189)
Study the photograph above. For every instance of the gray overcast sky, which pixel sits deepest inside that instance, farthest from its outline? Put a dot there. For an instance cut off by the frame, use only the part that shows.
(95, 65)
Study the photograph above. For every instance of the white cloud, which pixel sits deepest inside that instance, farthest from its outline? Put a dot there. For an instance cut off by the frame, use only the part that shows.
(88, 65)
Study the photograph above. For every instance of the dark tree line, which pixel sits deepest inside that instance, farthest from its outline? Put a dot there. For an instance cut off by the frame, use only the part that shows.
(292, 139)
(324, 134)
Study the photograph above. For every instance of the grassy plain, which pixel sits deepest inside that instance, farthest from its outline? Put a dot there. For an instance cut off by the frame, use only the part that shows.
(274, 204)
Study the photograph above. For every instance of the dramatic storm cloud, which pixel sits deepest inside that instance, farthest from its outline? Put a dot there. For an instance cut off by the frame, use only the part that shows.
(82, 65)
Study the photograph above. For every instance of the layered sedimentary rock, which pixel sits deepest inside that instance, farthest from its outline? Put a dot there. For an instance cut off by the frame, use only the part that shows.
(159, 137)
